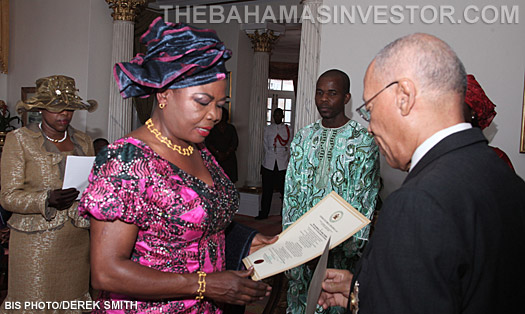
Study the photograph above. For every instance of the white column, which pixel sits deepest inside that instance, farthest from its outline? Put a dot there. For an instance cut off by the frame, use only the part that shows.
(121, 110)
(258, 101)
(305, 109)
(262, 45)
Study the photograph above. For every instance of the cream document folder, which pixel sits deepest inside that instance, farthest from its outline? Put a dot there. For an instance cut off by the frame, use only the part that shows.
(305, 239)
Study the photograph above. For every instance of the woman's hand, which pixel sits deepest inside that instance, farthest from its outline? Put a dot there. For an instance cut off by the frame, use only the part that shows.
(336, 288)
(112, 270)
(260, 240)
(235, 287)
(62, 199)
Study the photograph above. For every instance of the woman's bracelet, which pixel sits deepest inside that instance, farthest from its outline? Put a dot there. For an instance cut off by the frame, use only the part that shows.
(202, 285)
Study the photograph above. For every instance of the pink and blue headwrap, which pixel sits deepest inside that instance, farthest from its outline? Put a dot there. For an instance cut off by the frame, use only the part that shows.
(178, 56)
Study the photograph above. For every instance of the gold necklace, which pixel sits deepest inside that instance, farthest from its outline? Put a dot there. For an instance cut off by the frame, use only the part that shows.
(166, 141)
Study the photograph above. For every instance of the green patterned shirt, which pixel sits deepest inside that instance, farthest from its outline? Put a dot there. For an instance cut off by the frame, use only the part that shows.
(344, 160)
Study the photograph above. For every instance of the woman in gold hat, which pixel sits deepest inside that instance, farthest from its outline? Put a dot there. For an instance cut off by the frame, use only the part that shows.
(49, 242)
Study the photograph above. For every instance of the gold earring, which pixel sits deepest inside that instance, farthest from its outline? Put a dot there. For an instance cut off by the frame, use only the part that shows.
(162, 105)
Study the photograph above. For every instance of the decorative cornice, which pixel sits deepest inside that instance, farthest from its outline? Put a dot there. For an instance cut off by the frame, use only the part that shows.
(125, 10)
(262, 42)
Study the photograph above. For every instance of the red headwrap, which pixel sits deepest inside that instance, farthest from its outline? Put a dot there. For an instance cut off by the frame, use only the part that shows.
(478, 101)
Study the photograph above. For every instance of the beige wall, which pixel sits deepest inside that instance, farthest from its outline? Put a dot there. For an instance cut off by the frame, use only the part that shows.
(3, 87)
(494, 53)
(70, 37)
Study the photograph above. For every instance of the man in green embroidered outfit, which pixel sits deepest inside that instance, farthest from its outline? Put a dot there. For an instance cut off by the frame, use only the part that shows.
(332, 154)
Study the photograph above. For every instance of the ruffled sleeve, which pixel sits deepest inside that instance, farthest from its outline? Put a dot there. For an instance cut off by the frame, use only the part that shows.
(117, 186)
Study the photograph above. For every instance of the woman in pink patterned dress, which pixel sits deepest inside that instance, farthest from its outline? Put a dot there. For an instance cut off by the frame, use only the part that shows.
(159, 201)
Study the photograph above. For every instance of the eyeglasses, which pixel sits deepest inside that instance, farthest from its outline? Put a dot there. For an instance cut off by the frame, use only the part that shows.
(363, 112)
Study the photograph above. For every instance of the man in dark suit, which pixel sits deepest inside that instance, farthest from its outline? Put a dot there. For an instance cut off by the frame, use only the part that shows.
(452, 237)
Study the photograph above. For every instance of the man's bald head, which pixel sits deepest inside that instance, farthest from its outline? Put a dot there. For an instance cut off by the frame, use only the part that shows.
(425, 90)
(424, 58)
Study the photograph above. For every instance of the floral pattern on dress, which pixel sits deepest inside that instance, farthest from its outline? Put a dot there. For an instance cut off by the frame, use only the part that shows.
(181, 220)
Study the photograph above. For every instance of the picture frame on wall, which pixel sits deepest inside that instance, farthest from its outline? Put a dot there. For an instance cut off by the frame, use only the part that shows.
(29, 116)
(522, 137)
(229, 85)
(228, 92)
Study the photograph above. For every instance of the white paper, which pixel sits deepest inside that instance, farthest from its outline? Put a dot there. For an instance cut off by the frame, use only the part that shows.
(305, 239)
(314, 290)
(77, 172)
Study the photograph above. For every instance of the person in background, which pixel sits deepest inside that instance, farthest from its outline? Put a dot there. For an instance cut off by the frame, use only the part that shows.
(276, 141)
(49, 241)
(480, 111)
(222, 143)
(449, 240)
(158, 200)
(331, 154)
(99, 144)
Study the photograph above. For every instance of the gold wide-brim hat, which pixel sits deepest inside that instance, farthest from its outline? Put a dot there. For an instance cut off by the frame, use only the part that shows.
(56, 93)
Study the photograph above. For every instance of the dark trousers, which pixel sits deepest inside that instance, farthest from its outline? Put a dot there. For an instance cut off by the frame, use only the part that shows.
(271, 179)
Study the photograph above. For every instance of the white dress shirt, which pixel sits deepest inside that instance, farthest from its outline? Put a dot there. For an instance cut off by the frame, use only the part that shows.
(274, 150)
(432, 141)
